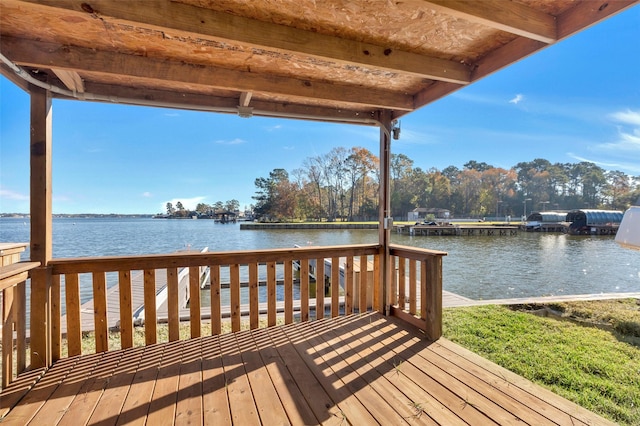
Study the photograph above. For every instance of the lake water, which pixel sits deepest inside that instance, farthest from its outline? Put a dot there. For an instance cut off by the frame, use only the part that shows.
(478, 267)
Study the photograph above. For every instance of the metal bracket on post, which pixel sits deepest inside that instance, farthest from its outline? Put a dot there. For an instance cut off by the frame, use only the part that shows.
(388, 222)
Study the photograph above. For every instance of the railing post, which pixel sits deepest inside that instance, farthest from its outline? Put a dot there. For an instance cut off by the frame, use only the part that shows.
(384, 209)
(433, 293)
(41, 225)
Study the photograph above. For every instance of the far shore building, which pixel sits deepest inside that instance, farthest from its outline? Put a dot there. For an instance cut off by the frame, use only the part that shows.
(422, 213)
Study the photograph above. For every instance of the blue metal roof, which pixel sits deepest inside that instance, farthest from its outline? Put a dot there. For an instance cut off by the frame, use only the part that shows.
(595, 217)
(547, 216)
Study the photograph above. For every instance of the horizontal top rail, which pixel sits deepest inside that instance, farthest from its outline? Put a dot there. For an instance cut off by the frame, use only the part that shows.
(415, 253)
(12, 248)
(186, 259)
(12, 274)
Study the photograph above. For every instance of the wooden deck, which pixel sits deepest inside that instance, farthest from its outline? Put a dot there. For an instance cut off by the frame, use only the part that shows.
(358, 369)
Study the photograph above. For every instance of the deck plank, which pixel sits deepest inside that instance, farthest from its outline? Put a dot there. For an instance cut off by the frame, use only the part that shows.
(33, 400)
(319, 400)
(112, 399)
(189, 407)
(241, 402)
(293, 400)
(91, 390)
(163, 402)
(312, 348)
(395, 404)
(215, 401)
(374, 351)
(266, 398)
(60, 400)
(136, 405)
(358, 369)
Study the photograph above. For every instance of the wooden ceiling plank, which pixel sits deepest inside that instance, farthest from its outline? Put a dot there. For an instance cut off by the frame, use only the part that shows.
(71, 79)
(509, 16)
(170, 16)
(48, 55)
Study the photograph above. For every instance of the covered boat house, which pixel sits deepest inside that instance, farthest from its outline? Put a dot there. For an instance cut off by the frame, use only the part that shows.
(594, 222)
(316, 359)
(546, 221)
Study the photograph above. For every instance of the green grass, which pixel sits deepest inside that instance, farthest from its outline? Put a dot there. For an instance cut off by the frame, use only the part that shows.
(596, 368)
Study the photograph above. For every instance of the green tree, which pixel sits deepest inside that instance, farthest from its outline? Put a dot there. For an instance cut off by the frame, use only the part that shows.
(232, 205)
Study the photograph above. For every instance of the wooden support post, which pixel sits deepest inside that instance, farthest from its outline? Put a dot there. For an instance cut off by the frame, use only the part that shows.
(384, 210)
(41, 226)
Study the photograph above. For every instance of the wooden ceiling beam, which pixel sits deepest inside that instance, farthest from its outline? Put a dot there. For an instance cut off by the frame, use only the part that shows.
(588, 13)
(509, 16)
(167, 16)
(124, 94)
(50, 55)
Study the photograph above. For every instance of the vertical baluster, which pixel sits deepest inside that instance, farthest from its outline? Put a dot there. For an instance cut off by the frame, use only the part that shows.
(7, 336)
(234, 289)
(172, 304)
(271, 294)
(304, 290)
(72, 303)
(100, 311)
(335, 287)
(194, 302)
(393, 290)
(364, 283)
(402, 282)
(126, 310)
(150, 332)
(423, 289)
(412, 286)
(253, 296)
(216, 314)
(288, 291)
(376, 283)
(348, 285)
(320, 288)
(20, 302)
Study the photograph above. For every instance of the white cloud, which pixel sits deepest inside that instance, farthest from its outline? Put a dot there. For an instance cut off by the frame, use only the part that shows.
(622, 152)
(236, 141)
(147, 194)
(517, 99)
(12, 195)
(627, 117)
(187, 203)
(632, 167)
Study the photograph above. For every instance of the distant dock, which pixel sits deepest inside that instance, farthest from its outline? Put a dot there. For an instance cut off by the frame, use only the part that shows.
(457, 230)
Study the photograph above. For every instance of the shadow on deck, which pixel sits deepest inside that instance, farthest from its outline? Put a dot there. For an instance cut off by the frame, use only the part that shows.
(358, 369)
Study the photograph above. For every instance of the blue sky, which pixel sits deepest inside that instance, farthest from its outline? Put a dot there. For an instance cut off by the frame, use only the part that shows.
(578, 100)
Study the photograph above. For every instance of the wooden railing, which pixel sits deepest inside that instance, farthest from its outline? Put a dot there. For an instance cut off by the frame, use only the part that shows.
(13, 277)
(349, 279)
(416, 287)
(345, 290)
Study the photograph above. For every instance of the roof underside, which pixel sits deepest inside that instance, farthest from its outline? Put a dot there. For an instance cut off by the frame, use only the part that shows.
(338, 60)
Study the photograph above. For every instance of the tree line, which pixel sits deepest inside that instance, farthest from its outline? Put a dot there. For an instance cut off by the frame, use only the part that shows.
(202, 208)
(343, 185)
